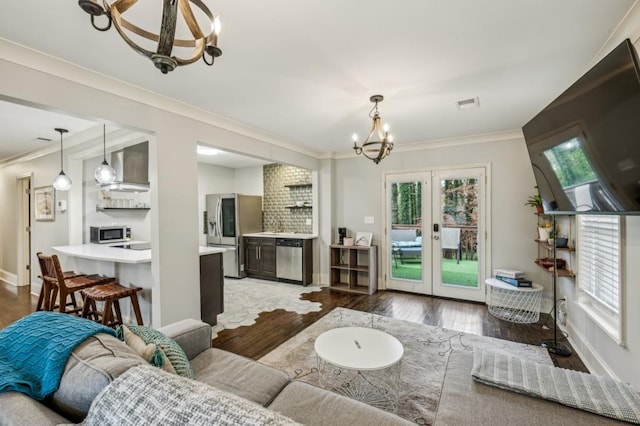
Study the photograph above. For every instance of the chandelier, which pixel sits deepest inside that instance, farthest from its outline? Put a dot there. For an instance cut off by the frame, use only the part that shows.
(204, 43)
(374, 149)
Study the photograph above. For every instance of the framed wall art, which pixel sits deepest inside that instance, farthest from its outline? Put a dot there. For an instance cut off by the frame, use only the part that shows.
(44, 201)
(363, 239)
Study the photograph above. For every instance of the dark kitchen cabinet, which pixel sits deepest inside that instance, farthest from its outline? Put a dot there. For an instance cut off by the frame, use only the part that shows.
(260, 257)
(211, 287)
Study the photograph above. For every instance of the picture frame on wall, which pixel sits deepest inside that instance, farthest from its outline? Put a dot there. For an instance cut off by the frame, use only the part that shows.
(363, 239)
(44, 202)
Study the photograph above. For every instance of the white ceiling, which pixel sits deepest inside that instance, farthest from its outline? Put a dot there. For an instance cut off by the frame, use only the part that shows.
(303, 71)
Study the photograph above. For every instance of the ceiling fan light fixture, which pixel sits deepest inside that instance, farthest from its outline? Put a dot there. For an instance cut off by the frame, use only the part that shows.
(372, 148)
(62, 181)
(104, 172)
(204, 44)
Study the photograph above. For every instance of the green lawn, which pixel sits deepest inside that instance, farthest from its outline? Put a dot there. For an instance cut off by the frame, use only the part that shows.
(465, 273)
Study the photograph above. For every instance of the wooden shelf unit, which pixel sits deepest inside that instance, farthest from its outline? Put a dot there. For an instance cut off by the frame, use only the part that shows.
(544, 246)
(354, 269)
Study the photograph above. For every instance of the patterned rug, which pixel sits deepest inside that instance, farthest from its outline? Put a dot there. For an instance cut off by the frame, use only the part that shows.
(426, 352)
(244, 299)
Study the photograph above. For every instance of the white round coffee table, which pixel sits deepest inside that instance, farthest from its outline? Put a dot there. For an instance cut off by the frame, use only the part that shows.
(361, 363)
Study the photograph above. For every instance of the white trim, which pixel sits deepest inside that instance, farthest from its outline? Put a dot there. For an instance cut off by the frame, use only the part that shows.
(608, 323)
(506, 135)
(587, 353)
(9, 278)
(22, 55)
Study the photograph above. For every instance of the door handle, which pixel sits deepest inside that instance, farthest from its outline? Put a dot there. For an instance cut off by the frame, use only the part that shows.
(436, 237)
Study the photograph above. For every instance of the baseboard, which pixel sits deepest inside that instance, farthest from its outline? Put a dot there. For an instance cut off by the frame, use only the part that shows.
(587, 353)
(9, 278)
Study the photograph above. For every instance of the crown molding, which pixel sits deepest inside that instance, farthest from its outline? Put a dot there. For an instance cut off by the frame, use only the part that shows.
(506, 135)
(42, 62)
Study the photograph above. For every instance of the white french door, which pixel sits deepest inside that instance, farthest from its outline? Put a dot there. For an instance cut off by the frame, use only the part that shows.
(435, 228)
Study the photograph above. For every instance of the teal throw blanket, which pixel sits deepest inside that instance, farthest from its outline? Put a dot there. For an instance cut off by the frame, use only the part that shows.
(35, 349)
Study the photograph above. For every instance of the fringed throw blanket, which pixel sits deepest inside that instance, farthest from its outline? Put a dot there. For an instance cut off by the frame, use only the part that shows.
(148, 396)
(600, 395)
(35, 349)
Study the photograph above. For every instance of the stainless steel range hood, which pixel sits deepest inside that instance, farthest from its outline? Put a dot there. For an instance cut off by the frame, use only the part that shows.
(132, 169)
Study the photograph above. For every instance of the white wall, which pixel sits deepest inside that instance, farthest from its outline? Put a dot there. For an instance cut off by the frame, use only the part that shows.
(44, 235)
(360, 194)
(175, 130)
(249, 181)
(211, 180)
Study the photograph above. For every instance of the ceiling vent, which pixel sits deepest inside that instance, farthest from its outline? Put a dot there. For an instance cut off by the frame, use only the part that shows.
(468, 103)
(42, 140)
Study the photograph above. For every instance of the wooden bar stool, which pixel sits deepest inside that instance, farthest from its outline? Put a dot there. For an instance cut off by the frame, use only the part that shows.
(110, 294)
(56, 283)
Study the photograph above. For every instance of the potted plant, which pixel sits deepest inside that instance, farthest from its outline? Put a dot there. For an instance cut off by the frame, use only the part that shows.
(535, 201)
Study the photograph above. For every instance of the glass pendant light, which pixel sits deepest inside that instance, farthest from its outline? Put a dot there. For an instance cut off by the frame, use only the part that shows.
(62, 181)
(105, 173)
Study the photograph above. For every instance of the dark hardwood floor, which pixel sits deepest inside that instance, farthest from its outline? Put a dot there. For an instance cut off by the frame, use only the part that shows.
(274, 328)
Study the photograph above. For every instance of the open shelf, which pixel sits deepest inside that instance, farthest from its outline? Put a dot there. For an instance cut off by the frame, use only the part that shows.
(561, 272)
(100, 209)
(299, 185)
(550, 247)
(354, 269)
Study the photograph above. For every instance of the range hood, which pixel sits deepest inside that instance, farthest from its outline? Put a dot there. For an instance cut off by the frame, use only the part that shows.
(132, 169)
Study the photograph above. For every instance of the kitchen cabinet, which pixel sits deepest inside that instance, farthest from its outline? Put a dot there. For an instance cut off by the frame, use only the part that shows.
(260, 257)
(211, 287)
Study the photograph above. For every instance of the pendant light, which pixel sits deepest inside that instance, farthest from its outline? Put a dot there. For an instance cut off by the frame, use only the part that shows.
(373, 149)
(62, 181)
(105, 173)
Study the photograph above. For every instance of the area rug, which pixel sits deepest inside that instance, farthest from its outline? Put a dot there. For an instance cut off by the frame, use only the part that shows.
(244, 300)
(426, 352)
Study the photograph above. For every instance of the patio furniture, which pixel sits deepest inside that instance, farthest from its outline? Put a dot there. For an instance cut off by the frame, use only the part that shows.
(450, 240)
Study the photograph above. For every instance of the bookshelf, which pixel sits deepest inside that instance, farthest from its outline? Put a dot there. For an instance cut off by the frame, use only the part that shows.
(354, 269)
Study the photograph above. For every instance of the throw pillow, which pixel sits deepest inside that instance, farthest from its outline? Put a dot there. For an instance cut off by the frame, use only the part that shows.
(174, 353)
(149, 351)
(90, 368)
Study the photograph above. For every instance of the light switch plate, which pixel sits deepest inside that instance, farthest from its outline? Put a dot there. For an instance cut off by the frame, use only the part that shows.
(369, 220)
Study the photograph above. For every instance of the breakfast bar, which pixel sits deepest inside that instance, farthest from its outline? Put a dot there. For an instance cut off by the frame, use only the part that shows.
(129, 263)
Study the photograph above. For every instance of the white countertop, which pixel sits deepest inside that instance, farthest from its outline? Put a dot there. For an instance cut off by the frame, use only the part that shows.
(115, 254)
(292, 235)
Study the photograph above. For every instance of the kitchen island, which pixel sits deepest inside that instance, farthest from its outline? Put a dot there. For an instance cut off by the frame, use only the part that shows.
(131, 267)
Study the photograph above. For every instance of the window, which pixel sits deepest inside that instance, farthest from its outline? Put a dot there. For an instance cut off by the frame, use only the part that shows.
(599, 278)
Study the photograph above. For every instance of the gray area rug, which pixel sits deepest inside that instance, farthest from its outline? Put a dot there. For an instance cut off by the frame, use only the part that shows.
(426, 352)
(244, 300)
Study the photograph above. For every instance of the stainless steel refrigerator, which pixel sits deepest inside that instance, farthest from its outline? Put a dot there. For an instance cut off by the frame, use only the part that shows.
(228, 218)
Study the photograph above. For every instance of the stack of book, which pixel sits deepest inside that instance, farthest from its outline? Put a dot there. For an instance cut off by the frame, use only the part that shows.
(512, 277)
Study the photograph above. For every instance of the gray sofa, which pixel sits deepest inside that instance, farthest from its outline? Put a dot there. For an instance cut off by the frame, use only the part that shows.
(466, 402)
(102, 358)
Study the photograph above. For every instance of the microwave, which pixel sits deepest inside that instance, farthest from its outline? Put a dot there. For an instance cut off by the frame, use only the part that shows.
(110, 234)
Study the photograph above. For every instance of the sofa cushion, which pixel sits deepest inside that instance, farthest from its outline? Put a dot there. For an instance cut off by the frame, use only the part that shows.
(148, 396)
(311, 405)
(90, 368)
(465, 402)
(172, 351)
(150, 352)
(239, 375)
(18, 409)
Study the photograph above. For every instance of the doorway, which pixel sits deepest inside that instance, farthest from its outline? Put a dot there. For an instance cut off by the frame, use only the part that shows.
(24, 230)
(435, 228)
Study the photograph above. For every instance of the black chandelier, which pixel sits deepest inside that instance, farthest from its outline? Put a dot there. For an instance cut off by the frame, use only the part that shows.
(204, 43)
(374, 149)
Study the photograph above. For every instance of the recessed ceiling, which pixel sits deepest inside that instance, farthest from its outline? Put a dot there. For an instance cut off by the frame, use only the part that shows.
(303, 71)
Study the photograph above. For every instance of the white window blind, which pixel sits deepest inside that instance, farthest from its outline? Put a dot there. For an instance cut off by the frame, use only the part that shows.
(599, 260)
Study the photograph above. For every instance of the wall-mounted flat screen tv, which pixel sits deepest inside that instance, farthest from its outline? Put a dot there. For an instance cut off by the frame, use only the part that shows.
(585, 146)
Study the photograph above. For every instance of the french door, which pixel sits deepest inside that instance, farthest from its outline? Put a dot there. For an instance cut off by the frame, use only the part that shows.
(435, 227)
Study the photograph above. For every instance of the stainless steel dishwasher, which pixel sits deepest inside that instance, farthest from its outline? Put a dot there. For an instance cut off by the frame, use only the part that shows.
(289, 259)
